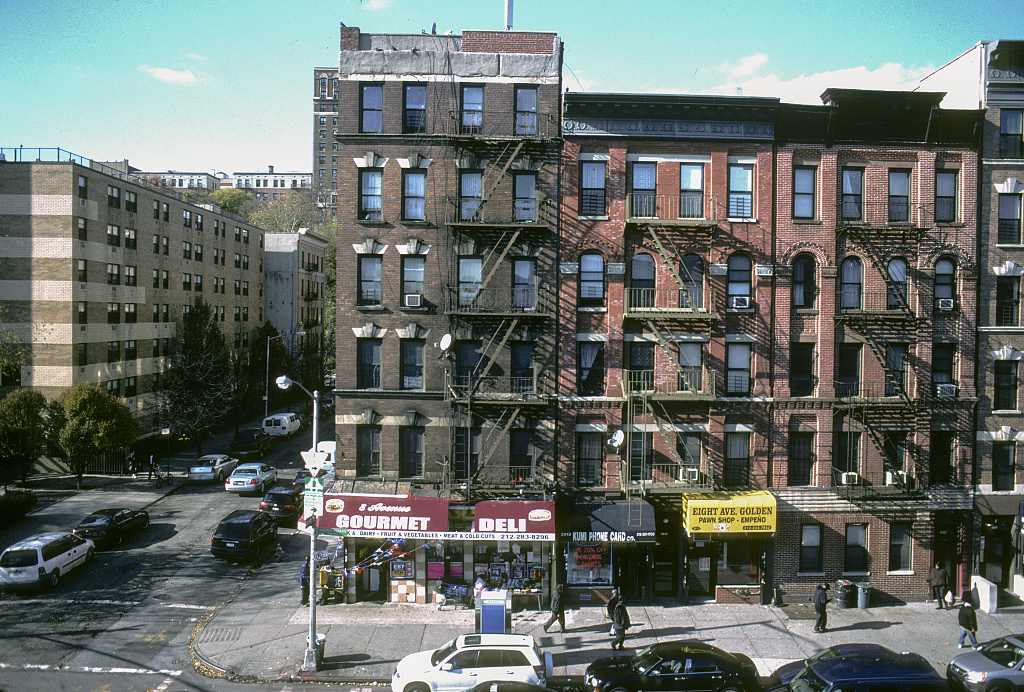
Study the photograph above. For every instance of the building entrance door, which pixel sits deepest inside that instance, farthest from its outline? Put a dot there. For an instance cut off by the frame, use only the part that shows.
(701, 566)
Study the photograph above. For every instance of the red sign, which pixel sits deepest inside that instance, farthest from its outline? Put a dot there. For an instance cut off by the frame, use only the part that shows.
(362, 514)
(514, 516)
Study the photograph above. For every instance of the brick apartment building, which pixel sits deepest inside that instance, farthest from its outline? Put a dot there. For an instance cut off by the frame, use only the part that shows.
(324, 182)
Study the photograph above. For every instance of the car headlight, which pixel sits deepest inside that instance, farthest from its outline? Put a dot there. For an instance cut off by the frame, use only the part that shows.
(976, 676)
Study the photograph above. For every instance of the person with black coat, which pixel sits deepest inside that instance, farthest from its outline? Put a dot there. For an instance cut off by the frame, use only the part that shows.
(612, 602)
(557, 608)
(968, 620)
(620, 623)
(304, 578)
(819, 599)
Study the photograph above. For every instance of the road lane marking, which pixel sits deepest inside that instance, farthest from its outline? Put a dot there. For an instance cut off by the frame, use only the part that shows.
(89, 669)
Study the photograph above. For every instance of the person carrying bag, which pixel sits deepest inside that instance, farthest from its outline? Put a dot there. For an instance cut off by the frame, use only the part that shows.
(620, 623)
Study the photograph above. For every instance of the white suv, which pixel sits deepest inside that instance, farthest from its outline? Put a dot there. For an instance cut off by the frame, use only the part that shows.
(470, 659)
(42, 560)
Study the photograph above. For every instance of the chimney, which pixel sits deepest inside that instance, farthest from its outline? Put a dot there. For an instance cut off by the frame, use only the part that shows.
(271, 168)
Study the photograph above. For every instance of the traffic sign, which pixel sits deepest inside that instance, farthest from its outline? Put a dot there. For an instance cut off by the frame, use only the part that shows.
(314, 460)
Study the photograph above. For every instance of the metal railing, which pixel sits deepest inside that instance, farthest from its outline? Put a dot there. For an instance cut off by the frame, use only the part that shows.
(503, 124)
(496, 388)
(691, 383)
(669, 302)
(890, 391)
(681, 209)
(851, 300)
(514, 300)
(497, 211)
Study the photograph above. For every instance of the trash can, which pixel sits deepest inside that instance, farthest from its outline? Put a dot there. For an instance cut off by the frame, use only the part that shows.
(494, 612)
(845, 593)
(863, 594)
(321, 642)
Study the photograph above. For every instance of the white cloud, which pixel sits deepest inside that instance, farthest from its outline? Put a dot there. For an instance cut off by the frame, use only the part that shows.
(379, 4)
(165, 74)
(744, 67)
(808, 88)
(196, 56)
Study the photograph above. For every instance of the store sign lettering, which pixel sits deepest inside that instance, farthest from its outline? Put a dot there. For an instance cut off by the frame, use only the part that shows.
(726, 518)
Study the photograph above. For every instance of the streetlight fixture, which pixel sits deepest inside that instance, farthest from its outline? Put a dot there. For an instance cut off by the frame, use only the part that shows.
(311, 661)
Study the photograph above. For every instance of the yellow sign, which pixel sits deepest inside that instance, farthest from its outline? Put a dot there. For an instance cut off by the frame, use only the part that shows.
(724, 512)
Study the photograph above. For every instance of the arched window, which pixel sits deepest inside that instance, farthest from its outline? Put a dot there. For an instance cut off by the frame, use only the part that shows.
(691, 270)
(896, 293)
(804, 282)
(945, 284)
(591, 280)
(641, 281)
(740, 268)
(850, 276)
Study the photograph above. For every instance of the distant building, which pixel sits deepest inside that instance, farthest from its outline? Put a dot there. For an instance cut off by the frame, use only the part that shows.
(325, 146)
(269, 184)
(181, 180)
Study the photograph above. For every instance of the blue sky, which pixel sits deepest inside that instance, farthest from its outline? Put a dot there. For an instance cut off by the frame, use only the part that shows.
(226, 85)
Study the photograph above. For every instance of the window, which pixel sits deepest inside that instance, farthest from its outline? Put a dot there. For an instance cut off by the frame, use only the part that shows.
(589, 458)
(83, 314)
(165, 245)
(165, 211)
(245, 263)
(896, 286)
(186, 218)
(526, 110)
(945, 196)
(943, 359)
(165, 277)
(737, 372)
(691, 369)
(113, 197)
(691, 270)
(740, 274)
(688, 449)
(83, 229)
(186, 250)
(472, 109)
(853, 191)
(520, 456)
(129, 276)
(83, 273)
(470, 191)
(198, 251)
(238, 287)
(641, 281)
(850, 284)
(741, 191)
(415, 119)
(369, 280)
(644, 190)
(894, 449)
(945, 284)
(801, 369)
(1007, 301)
(131, 201)
(197, 281)
(525, 197)
(114, 387)
(368, 363)
(470, 279)
(414, 195)
(410, 451)
(590, 368)
(83, 187)
(129, 239)
(805, 286)
(237, 314)
(370, 195)
(156, 244)
(592, 188)
(1009, 219)
(245, 236)
(165, 311)
(367, 450)
(467, 453)
(801, 457)
(372, 108)
(82, 355)
(1004, 396)
(691, 191)
(522, 367)
(899, 196)
(848, 370)
(186, 282)
(591, 280)
(113, 235)
(199, 223)
(467, 357)
(847, 451)
(131, 313)
(810, 549)
(899, 547)
(1011, 134)
(1004, 457)
(641, 366)
(856, 558)
(524, 284)
(130, 387)
(896, 369)
(940, 449)
(736, 471)
(113, 351)
(114, 274)
(805, 188)
(412, 363)
(640, 455)
(131, 350)
(156, 313)
(113, 313)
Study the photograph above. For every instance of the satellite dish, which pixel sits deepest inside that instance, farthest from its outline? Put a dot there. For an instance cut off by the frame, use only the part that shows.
(446, 342)
(617, 439)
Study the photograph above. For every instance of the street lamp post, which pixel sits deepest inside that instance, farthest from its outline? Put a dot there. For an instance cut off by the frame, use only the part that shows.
(311, 661)
(266, 388)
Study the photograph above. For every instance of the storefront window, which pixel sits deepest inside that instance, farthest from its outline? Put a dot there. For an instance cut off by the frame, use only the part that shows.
(589, 563)
(737, 562)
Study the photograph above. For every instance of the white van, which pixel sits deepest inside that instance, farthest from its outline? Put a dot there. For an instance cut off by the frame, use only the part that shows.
(282, 424)
(42, 560)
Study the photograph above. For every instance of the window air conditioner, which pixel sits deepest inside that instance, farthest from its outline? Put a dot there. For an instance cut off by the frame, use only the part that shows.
(849, 478)
(739, 302)
(413, 300)
(945, 303)
(895, 477)
(693, 474)
(945, 390)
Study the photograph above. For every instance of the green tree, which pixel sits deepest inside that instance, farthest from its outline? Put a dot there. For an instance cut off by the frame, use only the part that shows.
(84, 422)
(287, 213)
(197, 388)
(22, 432)
(232, 200)
(281, 363)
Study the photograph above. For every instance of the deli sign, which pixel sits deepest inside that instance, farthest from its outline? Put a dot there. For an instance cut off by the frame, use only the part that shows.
(370, 515)
(509, 519)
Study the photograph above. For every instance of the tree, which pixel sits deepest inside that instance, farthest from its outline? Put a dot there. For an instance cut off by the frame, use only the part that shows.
(232, 200)
(84, 422)
(281, 362)
(22, 432)
(197, 388)
(287, 213)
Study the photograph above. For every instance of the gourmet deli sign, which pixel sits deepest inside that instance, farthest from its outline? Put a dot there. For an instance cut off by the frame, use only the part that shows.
(383, 516)
(724, 512)
(515, 519)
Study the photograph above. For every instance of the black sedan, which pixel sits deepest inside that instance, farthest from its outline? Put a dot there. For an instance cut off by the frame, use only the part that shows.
(108, 527)
(680, 665)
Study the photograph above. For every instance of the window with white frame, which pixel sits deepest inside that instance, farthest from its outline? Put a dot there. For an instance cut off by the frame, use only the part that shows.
(741, 190)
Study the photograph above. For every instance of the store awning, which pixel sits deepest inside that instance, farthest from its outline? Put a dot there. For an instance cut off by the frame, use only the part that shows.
(619, 521)
(999, 505)
(751, 511)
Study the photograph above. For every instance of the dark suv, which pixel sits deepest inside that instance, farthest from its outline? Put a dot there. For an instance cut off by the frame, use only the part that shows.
(244, 534)
(250, 442)
(878, 672)
(284, 504)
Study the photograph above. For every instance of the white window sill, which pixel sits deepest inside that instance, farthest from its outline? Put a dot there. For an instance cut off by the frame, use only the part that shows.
(733, 219)
(593, 218)
(1005, 412)
(900, 572)
(591, 309)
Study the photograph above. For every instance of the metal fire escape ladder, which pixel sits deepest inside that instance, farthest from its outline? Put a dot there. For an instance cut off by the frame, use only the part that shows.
(516, 146)
(488, 354)
(498, 433)
(502, 254)
(666, 347)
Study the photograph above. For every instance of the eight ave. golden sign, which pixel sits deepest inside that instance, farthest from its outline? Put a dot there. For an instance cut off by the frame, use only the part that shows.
(723, 512)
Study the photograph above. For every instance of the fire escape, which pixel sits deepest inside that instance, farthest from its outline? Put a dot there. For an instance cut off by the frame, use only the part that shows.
(499, 298)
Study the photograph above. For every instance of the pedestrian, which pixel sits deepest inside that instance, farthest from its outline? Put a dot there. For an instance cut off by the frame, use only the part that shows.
(938, 579)
(620, 623)
(612, 602)
(152, 467)
(968, 620)
(820, 599)
(557, 608)
(304, 582)
(131, 462)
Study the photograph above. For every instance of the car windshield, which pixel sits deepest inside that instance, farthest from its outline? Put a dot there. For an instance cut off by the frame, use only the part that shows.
(18, 558)
(823, 654)
(442, 653)
(246, 472)
(807, 681)
(644, 659)
(1003, 652)
(233, 531)
(281, 496)
(97, 520)
(245, 436)
(200, 469)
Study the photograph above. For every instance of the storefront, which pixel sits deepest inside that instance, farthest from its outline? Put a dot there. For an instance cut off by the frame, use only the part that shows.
(728, 535)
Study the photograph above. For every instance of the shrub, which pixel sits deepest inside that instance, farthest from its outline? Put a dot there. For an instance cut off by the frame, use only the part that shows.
(15, 504)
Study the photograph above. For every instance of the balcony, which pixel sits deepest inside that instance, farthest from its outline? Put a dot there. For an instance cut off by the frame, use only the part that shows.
(852, 302)
(668, 303)
(692, 384)
(894, 213)
(489, 124)
(521, 301)
(676, 210)
(669, 476)
(498, 211)
(886, 393)
(495, 389)
(873, 483)
(311, 296)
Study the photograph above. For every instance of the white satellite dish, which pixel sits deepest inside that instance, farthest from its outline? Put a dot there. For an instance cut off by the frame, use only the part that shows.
(618, 437)
(446, 342)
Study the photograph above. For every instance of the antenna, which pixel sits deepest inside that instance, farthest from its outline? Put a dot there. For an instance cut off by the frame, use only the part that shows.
(445, 343)
(508, 15)
(617, 439)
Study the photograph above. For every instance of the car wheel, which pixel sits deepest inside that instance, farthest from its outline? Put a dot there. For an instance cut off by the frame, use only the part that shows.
(90, 555)
(417, 687)
(145, 524)
(54, 578)
(730, 688)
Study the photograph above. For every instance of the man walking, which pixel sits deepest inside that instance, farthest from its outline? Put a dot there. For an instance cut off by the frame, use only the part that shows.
(819, 599)
(304, 582)
(938, 579)
(557, 608)
(620, 623)
(612, 602)
(968, 620)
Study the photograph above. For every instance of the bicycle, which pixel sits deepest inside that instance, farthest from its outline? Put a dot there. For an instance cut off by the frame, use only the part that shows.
(162, 480)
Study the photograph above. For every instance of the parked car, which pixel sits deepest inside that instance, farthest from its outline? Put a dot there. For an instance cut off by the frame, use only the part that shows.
(502, 686)
(43, 559)
(251, 478)
(212, 467)
(250, 442)
(245, 534)
(282, 424)
(106, 527)
(470, 659)
(678, 665)
(785, 673)
(997, 665)
(878, 672)
(284, 503)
